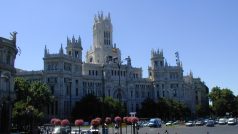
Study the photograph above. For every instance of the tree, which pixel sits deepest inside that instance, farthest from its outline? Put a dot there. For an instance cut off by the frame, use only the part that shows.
(148, 109)
(223, 101)
(91, 106)
(202, 110)
(87, 108)
(31, 98)
(166, 109)
(113, 107)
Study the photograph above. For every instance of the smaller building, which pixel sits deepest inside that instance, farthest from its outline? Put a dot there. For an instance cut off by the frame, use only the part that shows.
(8, 53)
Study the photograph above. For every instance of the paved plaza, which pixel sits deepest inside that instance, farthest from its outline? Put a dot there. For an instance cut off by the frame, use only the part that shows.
(191, 130)
(218, 129)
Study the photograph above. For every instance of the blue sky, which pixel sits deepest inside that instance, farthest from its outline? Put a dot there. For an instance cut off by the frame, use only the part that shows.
(204, 32)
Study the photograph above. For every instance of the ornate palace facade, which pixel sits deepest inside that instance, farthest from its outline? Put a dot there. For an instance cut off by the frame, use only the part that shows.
(105, 72)
(8, 53)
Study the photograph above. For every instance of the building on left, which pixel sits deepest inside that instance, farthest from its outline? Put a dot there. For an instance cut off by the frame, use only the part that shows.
(8, 51)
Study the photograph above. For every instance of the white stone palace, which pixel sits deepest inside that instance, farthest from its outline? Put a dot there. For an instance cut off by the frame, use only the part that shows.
(106, 72)
(8, 51)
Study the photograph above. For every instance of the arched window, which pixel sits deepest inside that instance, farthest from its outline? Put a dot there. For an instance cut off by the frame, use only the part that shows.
(91, 59)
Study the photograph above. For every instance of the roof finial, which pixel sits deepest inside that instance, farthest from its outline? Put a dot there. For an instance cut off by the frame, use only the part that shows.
(61, 50)
(73, 40)
(46, 51)
(109, 16)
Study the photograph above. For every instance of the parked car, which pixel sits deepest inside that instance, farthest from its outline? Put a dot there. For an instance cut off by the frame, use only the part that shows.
(61, 130)
(145, 124)
(169, 123)
(155, 122)
(175, 123)
(231, 121)
(222, 121)
(210, 123)
(189, 123)
(199, 123)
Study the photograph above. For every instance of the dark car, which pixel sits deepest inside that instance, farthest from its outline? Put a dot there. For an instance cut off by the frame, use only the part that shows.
(210, 123)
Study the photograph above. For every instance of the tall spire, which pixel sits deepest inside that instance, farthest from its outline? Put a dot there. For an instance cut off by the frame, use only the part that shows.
(109, 17)
(79, 40)
(73, 40)
(61, 51)
(45, 51)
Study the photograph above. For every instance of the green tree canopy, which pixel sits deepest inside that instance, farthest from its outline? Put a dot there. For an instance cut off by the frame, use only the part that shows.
(148, 108)
(166, 109)
(223, 101)
(91, 106)
(31, 98)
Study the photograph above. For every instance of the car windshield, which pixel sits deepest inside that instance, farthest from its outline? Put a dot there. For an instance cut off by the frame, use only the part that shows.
(56, 129)
(231, 119)
(152, 120)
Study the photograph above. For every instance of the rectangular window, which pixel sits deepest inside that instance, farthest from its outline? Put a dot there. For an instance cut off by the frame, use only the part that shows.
(52, 108)
(52, 89)
(161, 63)
(109, 94)
(67, 90)
(77, 91)
(56, 107)
(158, 94)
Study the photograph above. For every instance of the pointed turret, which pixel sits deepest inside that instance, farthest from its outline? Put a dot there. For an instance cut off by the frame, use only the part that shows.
(191, 74)
(79, 41)
(45, 51)
(68, 41)
(61, 51)
(74, 48)
(109, 17)
(73, 40)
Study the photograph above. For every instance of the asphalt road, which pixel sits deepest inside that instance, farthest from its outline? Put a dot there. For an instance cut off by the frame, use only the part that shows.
(218, 129)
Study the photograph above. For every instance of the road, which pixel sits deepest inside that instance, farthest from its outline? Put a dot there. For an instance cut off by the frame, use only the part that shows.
(191, 130)
(218, 129)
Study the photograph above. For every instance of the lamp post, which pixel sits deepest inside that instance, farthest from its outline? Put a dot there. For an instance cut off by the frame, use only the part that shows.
(7, 105)
(103, 98)
(70, 103)
(119, 84)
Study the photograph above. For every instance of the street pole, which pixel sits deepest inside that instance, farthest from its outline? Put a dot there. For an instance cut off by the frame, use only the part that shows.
(103, 99)
(119, 91)
(70, 104)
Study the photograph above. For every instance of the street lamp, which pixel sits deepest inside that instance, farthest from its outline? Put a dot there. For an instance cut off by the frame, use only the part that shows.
(103, 98)
(119, 63)
(8, 108)
(70, 103)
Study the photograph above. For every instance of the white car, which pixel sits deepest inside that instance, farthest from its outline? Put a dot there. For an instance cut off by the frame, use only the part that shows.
(222, 121)
(61, 130)
(231, 121)
(169, 123)
(189, 123)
